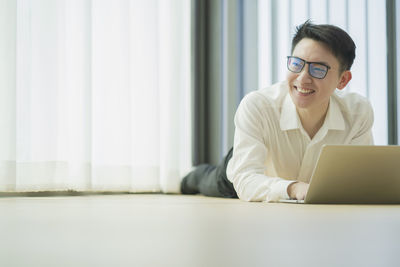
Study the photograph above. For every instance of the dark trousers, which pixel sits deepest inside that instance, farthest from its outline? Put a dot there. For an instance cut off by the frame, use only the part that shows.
(210, 180)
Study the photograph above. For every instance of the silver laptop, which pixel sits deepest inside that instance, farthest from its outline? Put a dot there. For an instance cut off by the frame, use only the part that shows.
(354, 174)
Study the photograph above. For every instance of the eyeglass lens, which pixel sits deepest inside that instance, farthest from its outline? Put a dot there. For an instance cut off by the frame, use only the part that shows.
(316, 70)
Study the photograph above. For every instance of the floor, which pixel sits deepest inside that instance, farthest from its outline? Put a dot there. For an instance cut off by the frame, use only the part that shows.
(176, 230)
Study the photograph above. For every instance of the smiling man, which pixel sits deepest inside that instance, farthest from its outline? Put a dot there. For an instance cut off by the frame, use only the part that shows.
(280, 130)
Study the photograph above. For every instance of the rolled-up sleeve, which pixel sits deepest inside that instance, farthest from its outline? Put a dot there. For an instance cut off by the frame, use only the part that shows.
(246, 169)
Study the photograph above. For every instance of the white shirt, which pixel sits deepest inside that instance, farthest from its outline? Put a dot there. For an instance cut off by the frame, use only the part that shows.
(271, 148)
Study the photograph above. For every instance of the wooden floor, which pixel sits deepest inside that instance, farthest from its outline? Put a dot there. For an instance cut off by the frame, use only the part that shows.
(176, 230)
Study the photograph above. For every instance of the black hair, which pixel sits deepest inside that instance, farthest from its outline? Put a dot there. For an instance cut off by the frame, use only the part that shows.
(336, 39)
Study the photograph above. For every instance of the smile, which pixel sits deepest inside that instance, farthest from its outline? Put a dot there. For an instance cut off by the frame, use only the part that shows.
(304, 90)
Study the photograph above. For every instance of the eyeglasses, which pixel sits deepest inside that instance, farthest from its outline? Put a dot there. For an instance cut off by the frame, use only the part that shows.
(315, 69)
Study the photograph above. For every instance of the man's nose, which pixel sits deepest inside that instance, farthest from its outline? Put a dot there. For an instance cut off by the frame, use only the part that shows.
(304, 76)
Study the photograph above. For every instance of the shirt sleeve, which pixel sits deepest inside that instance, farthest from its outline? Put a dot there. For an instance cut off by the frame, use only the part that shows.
(247, 165)
(364, 134)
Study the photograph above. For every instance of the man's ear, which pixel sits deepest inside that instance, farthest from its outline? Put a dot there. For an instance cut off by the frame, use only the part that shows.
(344, 80)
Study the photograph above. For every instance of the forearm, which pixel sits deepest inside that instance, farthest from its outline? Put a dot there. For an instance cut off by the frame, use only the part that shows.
(259, 187)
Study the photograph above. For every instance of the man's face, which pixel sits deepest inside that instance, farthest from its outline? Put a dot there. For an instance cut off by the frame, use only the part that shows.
(310, 93)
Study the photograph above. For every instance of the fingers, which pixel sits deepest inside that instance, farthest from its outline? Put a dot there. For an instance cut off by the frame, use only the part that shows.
(301, 190)
(298, 190)
(301, 196)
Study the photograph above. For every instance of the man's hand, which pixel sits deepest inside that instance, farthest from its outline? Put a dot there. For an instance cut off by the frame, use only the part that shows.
(297, 190)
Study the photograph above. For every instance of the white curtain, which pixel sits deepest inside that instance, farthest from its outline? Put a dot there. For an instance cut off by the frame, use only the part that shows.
(94, 95)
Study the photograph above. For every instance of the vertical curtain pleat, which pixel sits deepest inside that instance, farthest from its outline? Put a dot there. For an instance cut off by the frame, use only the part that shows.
(8, 26)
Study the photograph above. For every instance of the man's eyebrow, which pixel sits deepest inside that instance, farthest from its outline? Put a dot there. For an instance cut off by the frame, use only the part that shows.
(317, 62)
(320, 62)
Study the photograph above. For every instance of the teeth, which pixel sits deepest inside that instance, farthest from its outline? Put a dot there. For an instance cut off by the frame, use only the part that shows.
(304, 91)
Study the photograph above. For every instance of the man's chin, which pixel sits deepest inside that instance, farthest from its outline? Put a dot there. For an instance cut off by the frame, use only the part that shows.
(300, 101)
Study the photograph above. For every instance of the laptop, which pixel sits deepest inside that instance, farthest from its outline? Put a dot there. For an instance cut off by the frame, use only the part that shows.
(355, 174)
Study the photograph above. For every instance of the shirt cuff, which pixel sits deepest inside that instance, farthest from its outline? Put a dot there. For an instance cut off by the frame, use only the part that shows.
(279, 191)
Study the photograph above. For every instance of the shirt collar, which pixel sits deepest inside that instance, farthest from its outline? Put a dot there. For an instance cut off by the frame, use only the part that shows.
(334, 118)
(290, 119)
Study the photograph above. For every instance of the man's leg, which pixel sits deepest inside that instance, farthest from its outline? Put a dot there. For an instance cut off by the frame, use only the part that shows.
(209, 180)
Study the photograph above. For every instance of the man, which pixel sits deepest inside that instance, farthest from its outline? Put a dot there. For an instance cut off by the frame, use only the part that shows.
(280, 130)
